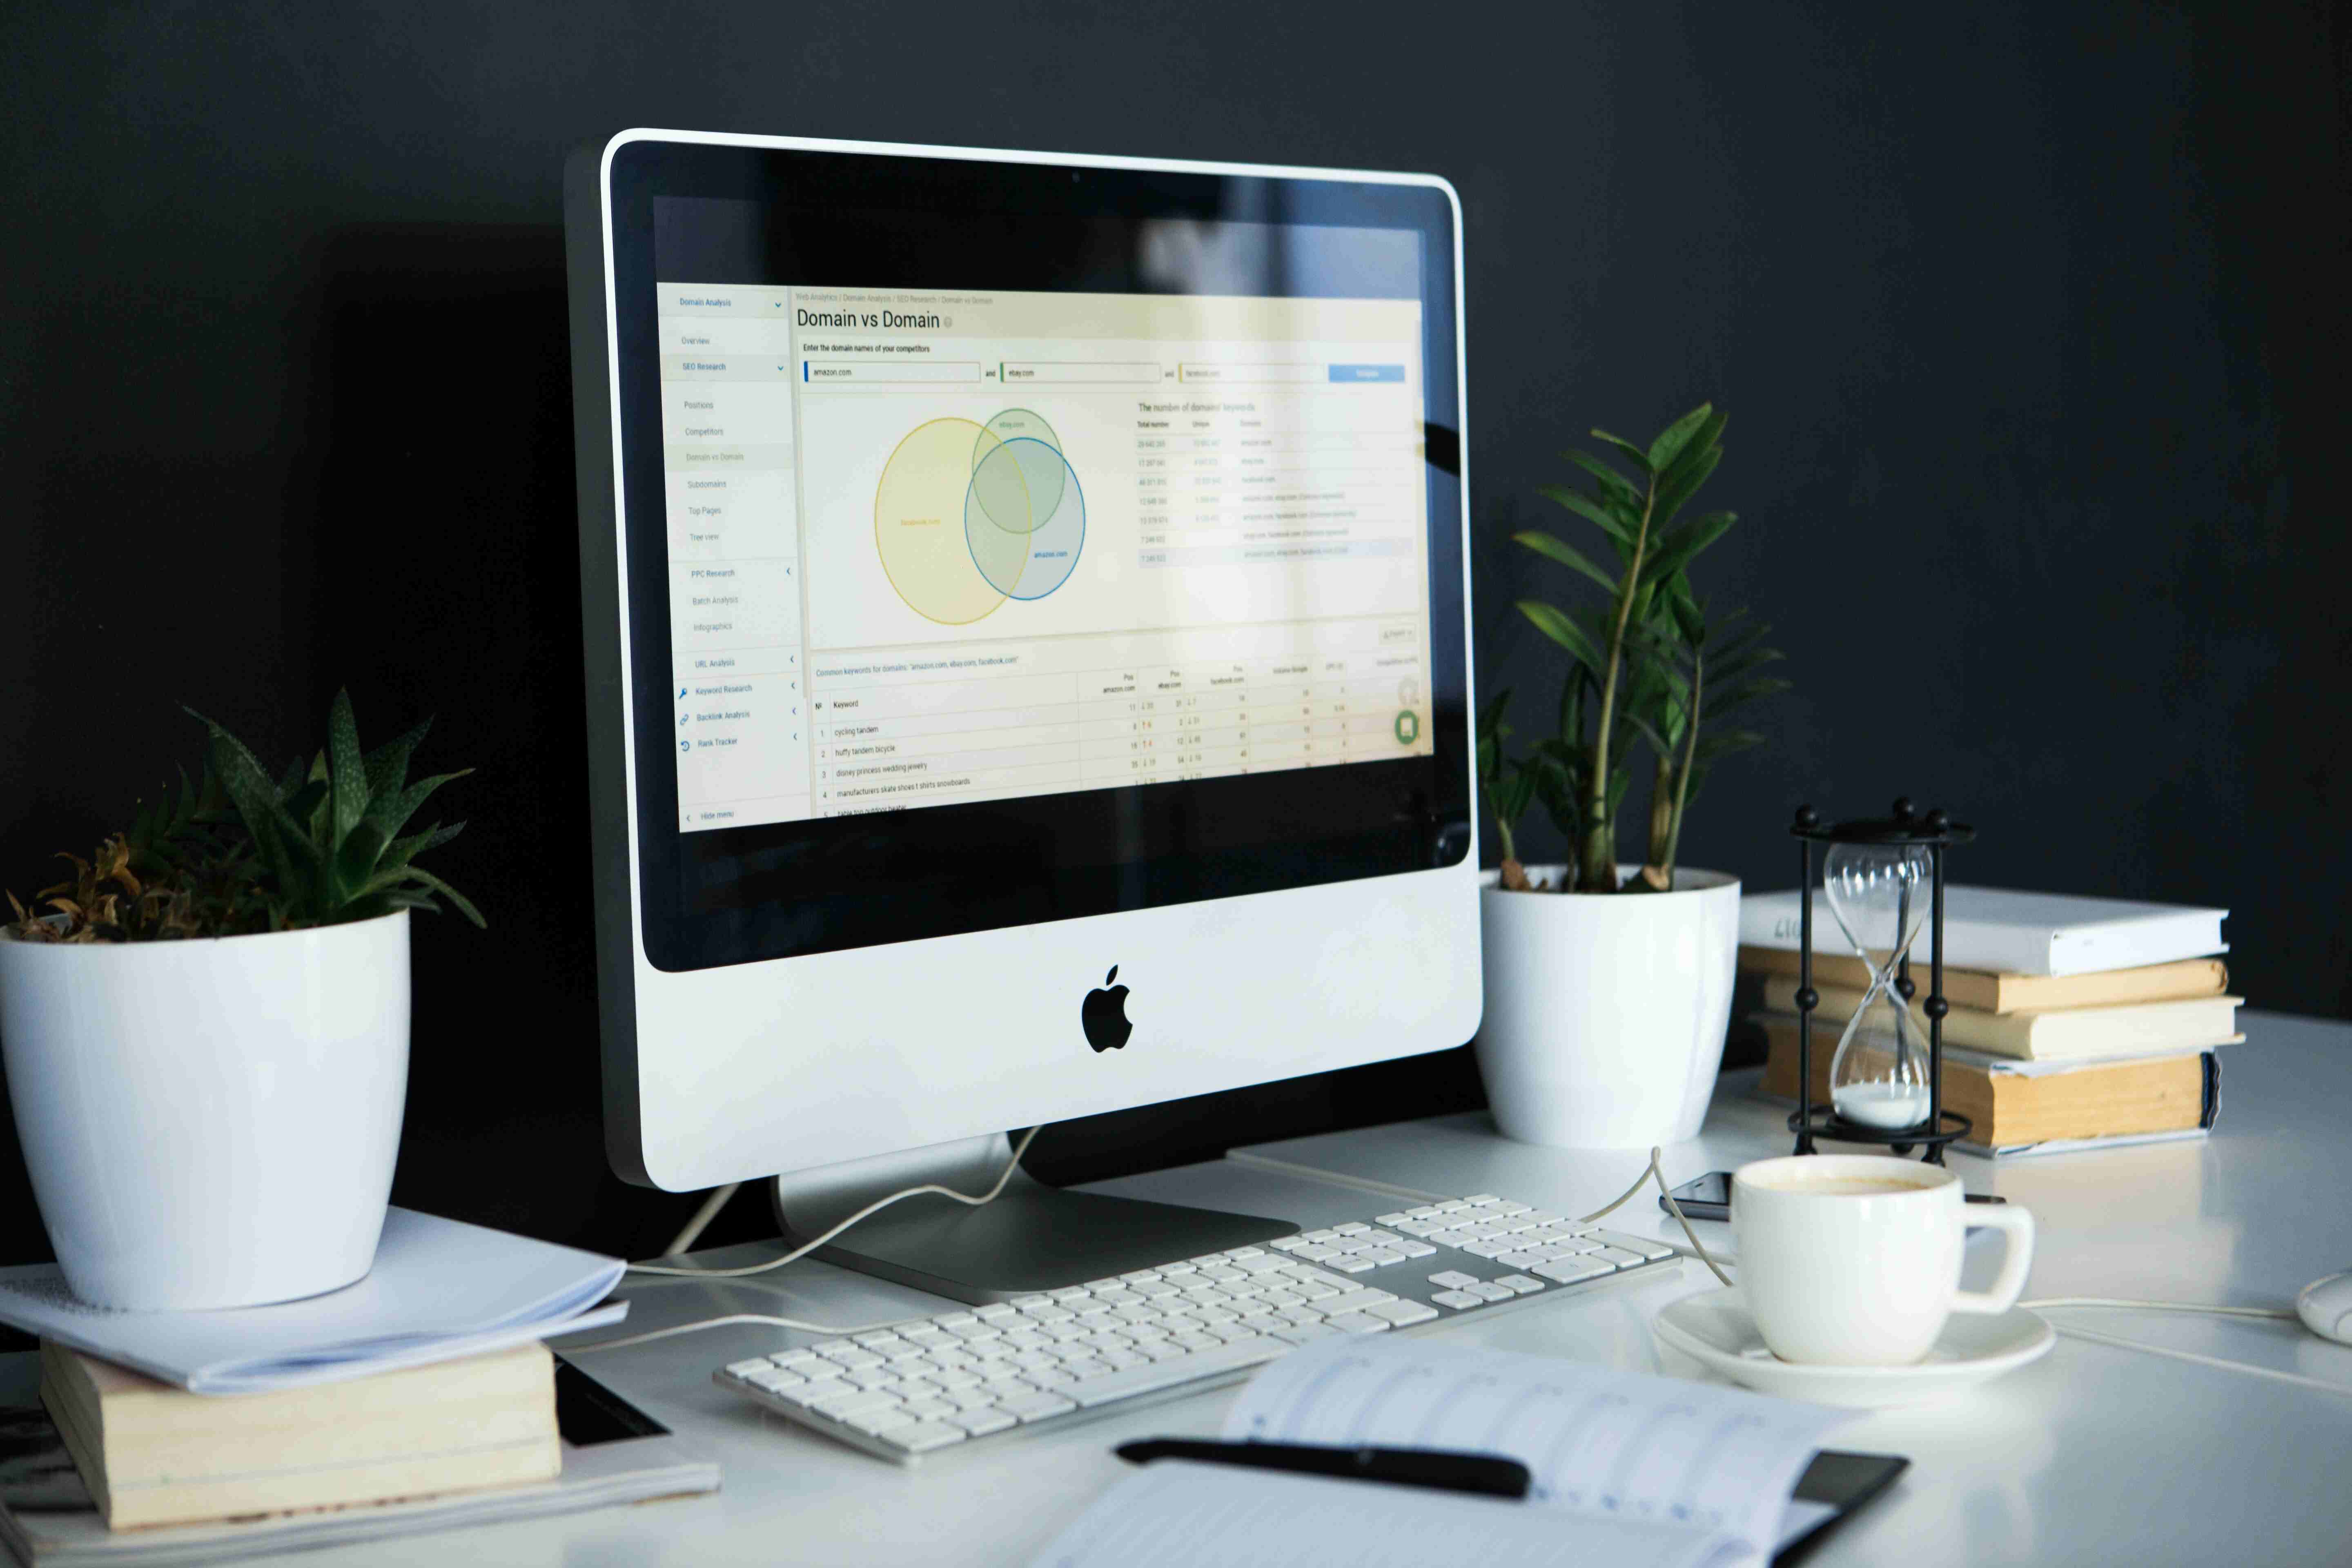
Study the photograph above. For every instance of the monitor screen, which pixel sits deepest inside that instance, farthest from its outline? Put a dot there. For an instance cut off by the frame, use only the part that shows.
(1029, 543)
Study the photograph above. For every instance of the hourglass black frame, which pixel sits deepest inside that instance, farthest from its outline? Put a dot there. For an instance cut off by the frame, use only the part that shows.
(1936, 831)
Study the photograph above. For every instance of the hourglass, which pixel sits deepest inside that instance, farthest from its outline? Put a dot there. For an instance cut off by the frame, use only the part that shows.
(1884, 880)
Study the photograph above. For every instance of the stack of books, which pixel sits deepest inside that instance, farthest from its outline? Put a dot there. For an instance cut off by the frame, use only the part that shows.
(2074, 1022)
(418, 1398)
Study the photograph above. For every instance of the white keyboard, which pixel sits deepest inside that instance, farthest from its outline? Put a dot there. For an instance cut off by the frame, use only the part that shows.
(982, 1373)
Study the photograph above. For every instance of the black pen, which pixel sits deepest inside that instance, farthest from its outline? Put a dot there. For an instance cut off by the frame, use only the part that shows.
(1485, 1475)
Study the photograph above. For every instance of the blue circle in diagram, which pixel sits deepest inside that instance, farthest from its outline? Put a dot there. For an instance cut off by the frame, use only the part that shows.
(1025, 517)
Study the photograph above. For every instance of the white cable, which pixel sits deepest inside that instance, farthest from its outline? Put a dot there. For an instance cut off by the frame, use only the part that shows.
(2049, 1301)
(702, 1217)
(1672, 1208)
(973, 1199)
(2120, 1342)
(732, 1317)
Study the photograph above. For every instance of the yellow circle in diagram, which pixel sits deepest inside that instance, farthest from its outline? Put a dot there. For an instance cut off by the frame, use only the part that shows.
(919, 523)
(968, 516)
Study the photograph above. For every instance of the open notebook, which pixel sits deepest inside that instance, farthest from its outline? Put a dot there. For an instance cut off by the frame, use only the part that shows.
(1628, 1470)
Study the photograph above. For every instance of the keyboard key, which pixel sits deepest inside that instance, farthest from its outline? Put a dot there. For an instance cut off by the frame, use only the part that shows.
(1426, 1211)
(1519, 1284)
(1401, 1314)
(815, 1389)
(1458, 1299)
(1034, 1406)
(1306, 1334)
(869, 1376)
(1484, 1248)
(1398, 1218)
(1103, 1389)
(773, 1380)
(1454, 1279)
(980, 1421)
(1482, 1200)
(1508, 1208)
(1617, 1257)
(1287, 1242)
(1355, 1300)
(1353, 1263)
(840, 1406)
(745, 1368)
(796, 1361)
(1382, 1256)
(928, 1409)
(1569, 1271)
(923, 1436)
(1414, 1248)
(1262, 1263)
(1353, 1227)
(1492, 1292)
(878, 1420)
(1415, 1227)
(1359, 1323)
(1643, 1245)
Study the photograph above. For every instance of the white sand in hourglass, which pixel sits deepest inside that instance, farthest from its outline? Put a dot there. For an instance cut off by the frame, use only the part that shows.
(1888, 1105)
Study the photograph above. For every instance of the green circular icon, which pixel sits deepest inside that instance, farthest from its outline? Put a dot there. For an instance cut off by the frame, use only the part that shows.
(1408, 727)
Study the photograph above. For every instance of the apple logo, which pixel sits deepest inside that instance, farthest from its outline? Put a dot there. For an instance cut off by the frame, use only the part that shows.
(1103, 1015)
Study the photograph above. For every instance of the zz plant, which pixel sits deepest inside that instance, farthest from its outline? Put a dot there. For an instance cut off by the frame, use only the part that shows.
(1643, 664)
(239, 853)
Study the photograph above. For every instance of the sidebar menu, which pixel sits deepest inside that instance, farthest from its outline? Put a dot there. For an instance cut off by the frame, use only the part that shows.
(738, 662)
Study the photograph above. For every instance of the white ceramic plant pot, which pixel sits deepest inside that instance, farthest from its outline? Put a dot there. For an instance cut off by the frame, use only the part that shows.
(1606, 1013)
(210, 1123)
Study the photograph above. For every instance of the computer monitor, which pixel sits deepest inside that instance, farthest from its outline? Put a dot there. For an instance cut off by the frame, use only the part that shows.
(1027, 647)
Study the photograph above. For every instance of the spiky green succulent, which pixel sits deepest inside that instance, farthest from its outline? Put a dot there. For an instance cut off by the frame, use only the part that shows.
(328, 837)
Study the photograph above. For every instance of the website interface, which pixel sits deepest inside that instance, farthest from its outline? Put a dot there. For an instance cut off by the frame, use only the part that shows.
(935, 547)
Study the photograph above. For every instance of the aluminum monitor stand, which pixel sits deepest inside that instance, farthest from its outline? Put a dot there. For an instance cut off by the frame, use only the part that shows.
(1032, 1238)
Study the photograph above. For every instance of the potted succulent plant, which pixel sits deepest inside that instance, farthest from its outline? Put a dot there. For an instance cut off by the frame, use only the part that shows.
(1608, 983)
(205, 1028)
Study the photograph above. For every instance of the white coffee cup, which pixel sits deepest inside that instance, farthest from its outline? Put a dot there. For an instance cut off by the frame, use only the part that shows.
(1855, 1259)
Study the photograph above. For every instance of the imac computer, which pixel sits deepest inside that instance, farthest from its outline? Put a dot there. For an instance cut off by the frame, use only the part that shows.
(1028, 668)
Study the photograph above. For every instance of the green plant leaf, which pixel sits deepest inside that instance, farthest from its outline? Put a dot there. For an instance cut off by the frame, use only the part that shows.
(1641, 458)
(1684, 483)
(358, 856)
(1613, 485)
(1678, 548)
(349, 768)
(387, 765)
(465, 905)
(1567, 554)
(1557, 627)
(391, 812)
(1746, 692)
(1584, 506)
(1670, 441)
(1708, 438)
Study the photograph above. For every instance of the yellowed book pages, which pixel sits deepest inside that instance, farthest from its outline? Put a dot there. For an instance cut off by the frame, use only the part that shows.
(2059, 1035)
(154, 1454)
(1989, 993)
(2108, 1100)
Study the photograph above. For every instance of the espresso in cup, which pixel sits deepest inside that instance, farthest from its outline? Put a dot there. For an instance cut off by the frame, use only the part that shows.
(1855, 1259)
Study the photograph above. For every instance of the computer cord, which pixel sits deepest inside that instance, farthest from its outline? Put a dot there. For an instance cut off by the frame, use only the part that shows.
(671, 1271)
(1650, 1172)
(974, 1199)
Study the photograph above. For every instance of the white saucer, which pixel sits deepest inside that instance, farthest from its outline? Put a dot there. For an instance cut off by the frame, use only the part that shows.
(1714, 1328)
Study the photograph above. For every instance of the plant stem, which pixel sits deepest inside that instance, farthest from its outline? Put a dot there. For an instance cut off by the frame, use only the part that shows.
(1599, 838)
(1690, 753)
(1661, 806)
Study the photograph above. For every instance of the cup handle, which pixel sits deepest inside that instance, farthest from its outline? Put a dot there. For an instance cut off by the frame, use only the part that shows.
(2017, 1258)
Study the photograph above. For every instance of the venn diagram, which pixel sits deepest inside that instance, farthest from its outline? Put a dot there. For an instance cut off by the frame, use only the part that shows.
(970, 515)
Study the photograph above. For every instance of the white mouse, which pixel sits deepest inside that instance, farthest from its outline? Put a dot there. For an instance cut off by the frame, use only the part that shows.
(2326, 1307)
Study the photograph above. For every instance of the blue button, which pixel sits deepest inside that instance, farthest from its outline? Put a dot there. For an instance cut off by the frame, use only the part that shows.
(1367, 373)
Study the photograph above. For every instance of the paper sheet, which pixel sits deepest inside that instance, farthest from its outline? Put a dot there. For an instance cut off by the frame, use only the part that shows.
(440, 1288)
(1601, 1443)
(1174, 1514)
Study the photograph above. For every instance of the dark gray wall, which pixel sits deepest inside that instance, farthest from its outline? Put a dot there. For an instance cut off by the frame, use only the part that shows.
(2030, 318)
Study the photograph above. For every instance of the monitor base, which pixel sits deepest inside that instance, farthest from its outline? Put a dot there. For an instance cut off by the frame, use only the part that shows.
(1031, 1238)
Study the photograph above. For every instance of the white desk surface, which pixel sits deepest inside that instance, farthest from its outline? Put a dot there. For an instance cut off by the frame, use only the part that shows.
(2095, 1453)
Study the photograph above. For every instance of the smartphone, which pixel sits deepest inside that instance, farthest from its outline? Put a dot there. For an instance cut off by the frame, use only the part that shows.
(1704, 1197)
(1709, 1196)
